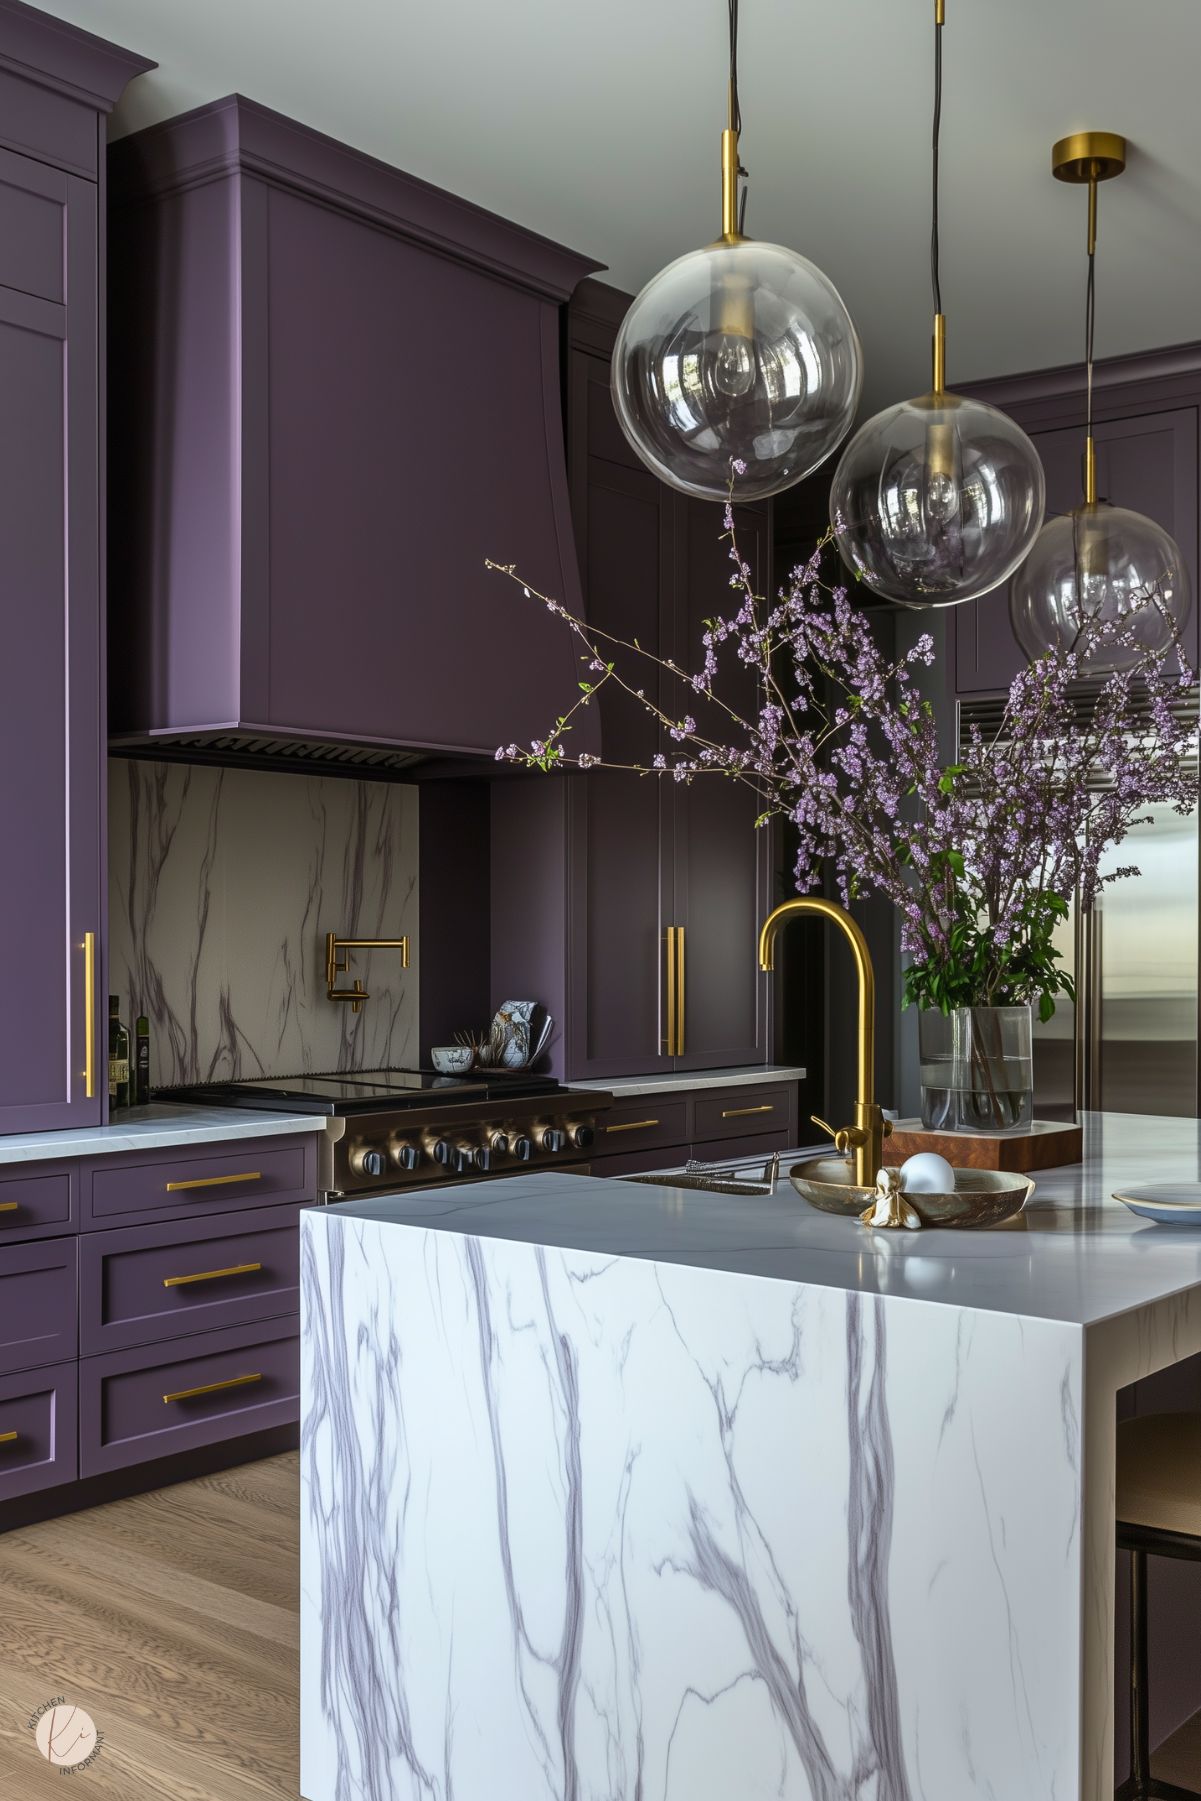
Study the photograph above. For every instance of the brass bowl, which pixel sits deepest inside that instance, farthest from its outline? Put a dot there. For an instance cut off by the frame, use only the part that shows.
(982, 1197)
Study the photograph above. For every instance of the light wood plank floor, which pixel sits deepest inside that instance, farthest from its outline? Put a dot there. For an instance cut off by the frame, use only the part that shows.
(172, 1619)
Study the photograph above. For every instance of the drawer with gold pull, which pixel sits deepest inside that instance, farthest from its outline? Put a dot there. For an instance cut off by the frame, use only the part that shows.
(738, 1112)
(38, 1411)
(38, 1200)
(138, 1284)
(154, 1400)
(641, 1123)
(198, 1180)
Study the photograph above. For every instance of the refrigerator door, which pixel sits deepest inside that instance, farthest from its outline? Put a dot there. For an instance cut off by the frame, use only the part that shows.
(1130, 1043)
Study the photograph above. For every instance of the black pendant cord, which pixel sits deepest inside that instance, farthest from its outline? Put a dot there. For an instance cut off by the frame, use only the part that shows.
(935, 281)
(1090, 317)
(735, 118)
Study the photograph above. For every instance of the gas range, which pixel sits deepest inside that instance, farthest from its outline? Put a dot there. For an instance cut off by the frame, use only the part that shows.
(413, 1128)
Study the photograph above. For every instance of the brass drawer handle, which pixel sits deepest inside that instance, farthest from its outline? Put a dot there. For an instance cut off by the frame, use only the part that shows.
(211, 1275)
(212, 1388)
(9, 1206)
(7, 1438)
(89, 1015)
(745, 1112)
(633, 1125)
(247, 1175)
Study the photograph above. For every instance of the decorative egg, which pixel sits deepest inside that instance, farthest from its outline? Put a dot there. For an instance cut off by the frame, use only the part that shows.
(927, 1173)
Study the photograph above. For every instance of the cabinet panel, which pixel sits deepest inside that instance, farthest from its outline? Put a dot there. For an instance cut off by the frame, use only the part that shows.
(722, 864)
(1147, 463)
(50, 700)
(37, 1303)
(38, 1429)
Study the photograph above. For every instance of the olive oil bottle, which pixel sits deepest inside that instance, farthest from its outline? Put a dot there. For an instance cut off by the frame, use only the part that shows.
(118, 1055)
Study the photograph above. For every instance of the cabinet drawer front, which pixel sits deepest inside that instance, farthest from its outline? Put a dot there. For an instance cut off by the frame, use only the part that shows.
(36, 1202)
(38, 1436)
(642, 1124)
(739, 1113)
(159, 1399)
(191, 1184)
(37, 1303)
(33, 200)
(144, 1283)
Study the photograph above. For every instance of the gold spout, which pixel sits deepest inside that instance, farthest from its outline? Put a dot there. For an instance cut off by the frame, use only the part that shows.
(866, 1137)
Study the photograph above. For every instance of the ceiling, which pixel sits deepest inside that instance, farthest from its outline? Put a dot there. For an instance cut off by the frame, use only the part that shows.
(596, 122)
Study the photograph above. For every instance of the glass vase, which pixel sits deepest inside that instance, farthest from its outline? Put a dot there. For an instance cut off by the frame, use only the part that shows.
(977, 1069)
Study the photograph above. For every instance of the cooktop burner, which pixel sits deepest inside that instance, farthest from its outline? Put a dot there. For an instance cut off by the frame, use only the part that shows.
(364, 1090)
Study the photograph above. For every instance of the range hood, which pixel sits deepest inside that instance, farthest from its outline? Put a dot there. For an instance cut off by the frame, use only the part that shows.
(333, 392)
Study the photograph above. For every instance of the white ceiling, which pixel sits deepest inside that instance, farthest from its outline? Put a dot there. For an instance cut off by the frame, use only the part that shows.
(596, 122)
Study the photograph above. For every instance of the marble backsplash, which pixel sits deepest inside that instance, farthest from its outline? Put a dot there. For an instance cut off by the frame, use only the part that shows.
(222, 886)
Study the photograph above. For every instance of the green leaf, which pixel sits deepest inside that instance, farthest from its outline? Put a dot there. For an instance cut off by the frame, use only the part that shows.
(1046, 1007)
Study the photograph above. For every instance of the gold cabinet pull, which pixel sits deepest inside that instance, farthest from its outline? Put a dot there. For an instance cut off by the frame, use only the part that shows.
(9, 1206)
(246, 1175)
(89, 1015)
(745, 1112)
(633, 1125)
(212, 1388)
(7, 1438)
(680, 989)
(211, 1275)
(673, 999)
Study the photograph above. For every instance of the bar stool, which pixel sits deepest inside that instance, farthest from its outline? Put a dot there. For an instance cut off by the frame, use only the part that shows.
(1159, 1513)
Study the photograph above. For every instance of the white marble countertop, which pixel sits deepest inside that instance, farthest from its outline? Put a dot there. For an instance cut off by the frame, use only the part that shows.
(626, 1087)
(155, 1127)
(1075, 1255)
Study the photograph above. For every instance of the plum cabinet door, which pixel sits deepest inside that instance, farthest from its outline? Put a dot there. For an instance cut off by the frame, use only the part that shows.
(722, 863)
(50, 678)
(1147, 462)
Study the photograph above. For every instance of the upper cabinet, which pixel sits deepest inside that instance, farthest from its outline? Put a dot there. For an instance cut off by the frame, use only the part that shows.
(56, 87)
(335, 393)
(1147, 411)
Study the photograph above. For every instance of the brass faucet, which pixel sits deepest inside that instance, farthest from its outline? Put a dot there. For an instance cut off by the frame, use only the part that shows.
(866, 1137)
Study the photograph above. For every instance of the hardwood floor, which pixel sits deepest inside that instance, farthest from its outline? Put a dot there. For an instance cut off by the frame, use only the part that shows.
(171, 1618)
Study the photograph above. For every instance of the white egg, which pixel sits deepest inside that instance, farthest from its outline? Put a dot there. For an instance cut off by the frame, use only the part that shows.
(927, 1173)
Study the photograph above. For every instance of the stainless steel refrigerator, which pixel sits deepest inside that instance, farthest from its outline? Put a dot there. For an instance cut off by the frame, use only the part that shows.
(1130, 1043)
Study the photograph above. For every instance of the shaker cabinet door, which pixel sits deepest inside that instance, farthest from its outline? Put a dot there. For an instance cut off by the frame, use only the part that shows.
(50, 694)
(722, 862)
(1147, 463)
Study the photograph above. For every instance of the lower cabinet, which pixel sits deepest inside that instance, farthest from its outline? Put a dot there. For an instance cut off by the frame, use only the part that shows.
(136, 1406)
(156, 1314)
(644, 1133)
(39, 1441)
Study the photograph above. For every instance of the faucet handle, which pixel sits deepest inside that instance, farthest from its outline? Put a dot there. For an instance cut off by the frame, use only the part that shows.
(843, 1138)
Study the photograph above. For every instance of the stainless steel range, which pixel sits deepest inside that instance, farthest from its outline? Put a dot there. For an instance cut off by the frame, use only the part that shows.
(412, 1128)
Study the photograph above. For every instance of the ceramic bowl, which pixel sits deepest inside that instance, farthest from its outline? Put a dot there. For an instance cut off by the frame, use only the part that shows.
(452, 1059)
(982, 1197)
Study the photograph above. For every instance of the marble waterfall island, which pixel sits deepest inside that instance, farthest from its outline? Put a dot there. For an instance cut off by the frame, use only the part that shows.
(627, 1493)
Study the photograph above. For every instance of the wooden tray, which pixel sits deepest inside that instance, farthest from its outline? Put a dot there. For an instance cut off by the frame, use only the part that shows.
(1048, 1144)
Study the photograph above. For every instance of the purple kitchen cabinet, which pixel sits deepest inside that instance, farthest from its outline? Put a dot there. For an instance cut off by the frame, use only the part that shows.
(56, 84)
(157, 1399)
(146, 1283)
(339, 394)
(1147, 459)
(38, 1429)
(38, 1200)
(38, 1303)
(195, 1181)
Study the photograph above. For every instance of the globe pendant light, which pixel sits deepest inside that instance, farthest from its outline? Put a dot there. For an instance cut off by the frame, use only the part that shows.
(938, 499)
(1099, 564)
(737, 365)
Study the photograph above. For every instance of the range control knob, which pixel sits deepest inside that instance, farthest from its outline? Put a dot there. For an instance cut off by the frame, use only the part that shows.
(440, 1150)
(406, 1156)
(499, 1143)
(554, 1140)
(522, 1149)
(463, 1158)
(582, 1137)
(369, 1163)
(483, 1159)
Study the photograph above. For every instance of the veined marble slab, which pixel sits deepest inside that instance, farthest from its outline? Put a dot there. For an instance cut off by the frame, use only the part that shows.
(155, 1127)
(625, 1087)
(615, 1493)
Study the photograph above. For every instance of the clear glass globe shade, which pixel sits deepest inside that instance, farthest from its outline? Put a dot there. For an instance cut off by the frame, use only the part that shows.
(937, 500)
(741, 351)
(1104, 564)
